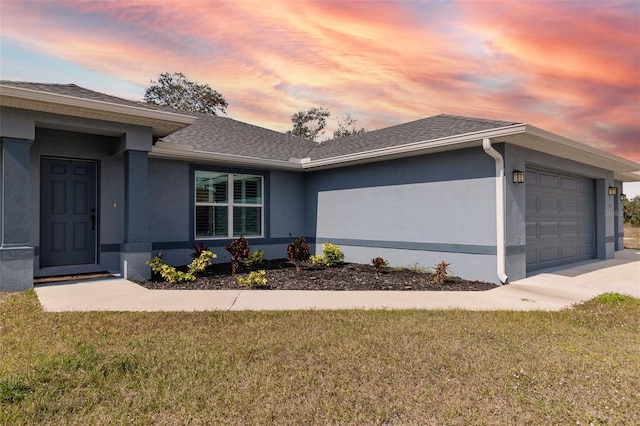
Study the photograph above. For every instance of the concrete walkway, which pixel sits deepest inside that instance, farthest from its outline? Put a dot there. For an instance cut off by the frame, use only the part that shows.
(550, 290)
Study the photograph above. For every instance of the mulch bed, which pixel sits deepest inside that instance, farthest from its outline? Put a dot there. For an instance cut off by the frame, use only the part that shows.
(282, 275)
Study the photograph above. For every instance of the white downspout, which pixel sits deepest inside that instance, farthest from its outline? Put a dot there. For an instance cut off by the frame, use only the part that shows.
(500, 212)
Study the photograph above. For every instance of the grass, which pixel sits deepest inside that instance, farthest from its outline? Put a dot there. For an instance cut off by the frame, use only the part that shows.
(631, 237)
(318, 367)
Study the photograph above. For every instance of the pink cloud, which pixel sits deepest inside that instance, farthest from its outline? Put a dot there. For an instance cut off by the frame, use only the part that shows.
(569, 67)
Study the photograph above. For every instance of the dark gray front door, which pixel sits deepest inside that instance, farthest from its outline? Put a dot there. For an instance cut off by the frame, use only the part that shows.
(560, 217)
(68, 212)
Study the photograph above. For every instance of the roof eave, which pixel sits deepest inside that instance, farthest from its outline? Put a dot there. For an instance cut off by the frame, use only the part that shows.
(162, 122)
(187, 153)
(554, 144)
(416, 148)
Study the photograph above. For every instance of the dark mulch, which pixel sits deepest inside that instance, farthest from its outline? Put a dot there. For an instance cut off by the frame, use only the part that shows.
(282, 275)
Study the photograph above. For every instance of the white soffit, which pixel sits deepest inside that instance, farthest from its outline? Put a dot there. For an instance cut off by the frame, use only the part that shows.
(551, 143)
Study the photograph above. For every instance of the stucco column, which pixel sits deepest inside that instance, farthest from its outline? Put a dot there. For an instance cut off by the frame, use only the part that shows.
(136, 248)
(16, 255)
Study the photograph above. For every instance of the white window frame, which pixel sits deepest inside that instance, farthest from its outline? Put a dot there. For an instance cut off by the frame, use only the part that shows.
(229, 205)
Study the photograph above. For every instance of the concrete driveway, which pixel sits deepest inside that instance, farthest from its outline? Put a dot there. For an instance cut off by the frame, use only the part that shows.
(548, 290)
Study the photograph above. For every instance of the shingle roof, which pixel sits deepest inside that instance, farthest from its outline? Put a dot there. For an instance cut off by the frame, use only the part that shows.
(209, 133)
(426, 129)
(224, 135)
(81, 92)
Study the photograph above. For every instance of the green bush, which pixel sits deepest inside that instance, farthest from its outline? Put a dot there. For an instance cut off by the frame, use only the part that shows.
(332, 256)
(172, 275)
(255, 258)
(254, 279)
(318, 260)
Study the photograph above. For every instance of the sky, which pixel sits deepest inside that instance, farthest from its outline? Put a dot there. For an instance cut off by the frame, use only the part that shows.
(570, 67)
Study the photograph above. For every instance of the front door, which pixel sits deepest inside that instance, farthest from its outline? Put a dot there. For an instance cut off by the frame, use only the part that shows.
(68, 212)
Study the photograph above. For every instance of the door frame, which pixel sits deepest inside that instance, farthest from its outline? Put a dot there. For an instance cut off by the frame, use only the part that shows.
(96, 257)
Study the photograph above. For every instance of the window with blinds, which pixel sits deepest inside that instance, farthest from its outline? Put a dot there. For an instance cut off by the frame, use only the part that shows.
(228, 205)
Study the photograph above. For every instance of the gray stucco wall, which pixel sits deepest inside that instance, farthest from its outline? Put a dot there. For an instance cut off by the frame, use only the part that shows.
(77, 138)
(517, 158)
(418, 210)
(618, 218)
(171, 210)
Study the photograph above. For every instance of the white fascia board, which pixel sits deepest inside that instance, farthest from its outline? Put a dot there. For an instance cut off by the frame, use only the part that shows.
(580, 152)
(422, 147)
(184, 153)
(91, 104)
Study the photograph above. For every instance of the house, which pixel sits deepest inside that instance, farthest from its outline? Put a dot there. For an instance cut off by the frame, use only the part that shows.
(92, 182)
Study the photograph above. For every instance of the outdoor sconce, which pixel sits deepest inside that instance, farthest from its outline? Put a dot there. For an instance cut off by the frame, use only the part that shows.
(518, 176)
(623, 197)
(613, 190)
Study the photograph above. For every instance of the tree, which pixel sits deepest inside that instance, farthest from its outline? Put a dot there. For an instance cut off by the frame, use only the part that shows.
(347, 127)
(176, 91)
(632, 211)
(309, 124)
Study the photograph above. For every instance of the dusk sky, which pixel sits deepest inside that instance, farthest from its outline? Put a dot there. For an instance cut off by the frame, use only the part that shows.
(570, 67)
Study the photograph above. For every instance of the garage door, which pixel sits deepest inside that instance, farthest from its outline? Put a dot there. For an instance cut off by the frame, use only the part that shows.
(560, 217)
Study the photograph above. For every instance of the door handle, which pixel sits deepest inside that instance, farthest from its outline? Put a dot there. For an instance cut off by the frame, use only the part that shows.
(93, 219)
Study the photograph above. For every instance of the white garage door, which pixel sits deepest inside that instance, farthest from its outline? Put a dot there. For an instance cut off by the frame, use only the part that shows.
(560, 217)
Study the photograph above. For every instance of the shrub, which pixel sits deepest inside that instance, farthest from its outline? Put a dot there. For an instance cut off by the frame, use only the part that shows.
(239, 250)
(198, 249)
(255, 258)
(202, 262)
(318, 261)
(172, 275)
(332, 256)
(254, 279)
(298, 251)
(441, 271)
(379, 264)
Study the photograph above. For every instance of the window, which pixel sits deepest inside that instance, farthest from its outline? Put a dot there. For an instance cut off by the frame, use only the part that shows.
(228, 205)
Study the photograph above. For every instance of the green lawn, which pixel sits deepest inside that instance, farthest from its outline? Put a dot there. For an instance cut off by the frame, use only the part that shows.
(318, 367)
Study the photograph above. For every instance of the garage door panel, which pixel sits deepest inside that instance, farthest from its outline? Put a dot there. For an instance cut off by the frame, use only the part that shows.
(530, 205)
(586, 250)
(568, 251)
(568, 230)
(548, 206)
(549, 181)
(586, 187)
(548, 254)
(560, 218)
(569, 207)
(548, 230)
(569, 184)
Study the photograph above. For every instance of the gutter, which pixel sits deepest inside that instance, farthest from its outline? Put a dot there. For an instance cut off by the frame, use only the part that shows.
(500, 210)
(184, 152)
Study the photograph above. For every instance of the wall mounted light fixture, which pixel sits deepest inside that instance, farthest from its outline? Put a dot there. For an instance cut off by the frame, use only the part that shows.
(613, 190)
(518, 176)
(623, 197)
